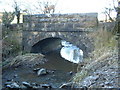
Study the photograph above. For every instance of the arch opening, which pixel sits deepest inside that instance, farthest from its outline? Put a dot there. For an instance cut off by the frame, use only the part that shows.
(61, 55)
(47, 45)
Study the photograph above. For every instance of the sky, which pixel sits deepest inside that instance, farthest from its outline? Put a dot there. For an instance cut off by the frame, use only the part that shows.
(64, 6)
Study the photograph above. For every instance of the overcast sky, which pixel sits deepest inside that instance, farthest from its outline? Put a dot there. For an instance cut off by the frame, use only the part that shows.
(65, 6)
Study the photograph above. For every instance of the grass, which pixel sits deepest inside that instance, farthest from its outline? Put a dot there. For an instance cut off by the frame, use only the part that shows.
(11, 46)
(105, 46)
(104, 42)
(16, 61)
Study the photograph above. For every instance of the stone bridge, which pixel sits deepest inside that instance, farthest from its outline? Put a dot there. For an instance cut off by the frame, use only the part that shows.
(69, 27)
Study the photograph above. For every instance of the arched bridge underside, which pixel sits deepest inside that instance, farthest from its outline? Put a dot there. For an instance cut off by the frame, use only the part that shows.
(77, 38)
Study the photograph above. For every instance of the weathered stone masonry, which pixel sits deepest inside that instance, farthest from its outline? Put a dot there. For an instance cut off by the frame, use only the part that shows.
(69, 27)
(64, 22)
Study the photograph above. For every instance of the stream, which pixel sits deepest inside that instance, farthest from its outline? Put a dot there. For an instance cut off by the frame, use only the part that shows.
(59, 71)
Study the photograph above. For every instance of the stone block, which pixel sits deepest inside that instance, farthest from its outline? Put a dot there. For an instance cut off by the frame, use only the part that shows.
(69, 25)
(79, 25)
(39, 25)
(44, 20)
(59, 26)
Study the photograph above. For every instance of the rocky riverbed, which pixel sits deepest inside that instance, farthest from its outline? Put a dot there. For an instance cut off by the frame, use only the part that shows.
(33, 71)
(24, 77)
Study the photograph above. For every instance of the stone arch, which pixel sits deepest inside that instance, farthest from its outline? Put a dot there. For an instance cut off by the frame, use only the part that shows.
(47, 45)
(79, 39)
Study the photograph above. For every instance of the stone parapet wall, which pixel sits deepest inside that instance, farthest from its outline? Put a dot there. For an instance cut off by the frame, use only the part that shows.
(60, 22)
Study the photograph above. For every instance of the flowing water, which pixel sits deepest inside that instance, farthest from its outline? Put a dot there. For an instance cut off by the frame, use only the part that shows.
(55, 62)
(61, 55)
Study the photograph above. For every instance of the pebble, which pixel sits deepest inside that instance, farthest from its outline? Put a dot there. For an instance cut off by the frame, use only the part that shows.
(8, 86)
(36, 69)
(51, 71)
(15, 85)
(36, 87)
(11, 85)
(71, 73)
(34, 84)
(8, 83)
(42, 71)
(46, 86)
(66, 85)
(15, 75)
(27, 84)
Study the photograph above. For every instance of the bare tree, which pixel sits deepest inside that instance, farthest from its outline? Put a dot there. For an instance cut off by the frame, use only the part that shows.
(110, 9)
(108, 13)
(118, 9)
(117, 22)
(17, 11)
(46, 7)
(50, 9)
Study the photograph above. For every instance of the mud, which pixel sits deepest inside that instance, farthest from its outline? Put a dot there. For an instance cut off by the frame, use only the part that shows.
(20, 74)
(60, 71)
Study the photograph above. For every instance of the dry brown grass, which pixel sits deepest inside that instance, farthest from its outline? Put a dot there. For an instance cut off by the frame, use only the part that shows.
(29, 57)
(105, 46)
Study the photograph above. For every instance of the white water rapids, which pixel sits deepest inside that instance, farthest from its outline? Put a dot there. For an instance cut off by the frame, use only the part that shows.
(71, 53)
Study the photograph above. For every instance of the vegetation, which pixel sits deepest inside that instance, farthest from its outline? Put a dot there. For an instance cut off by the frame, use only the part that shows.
(21, 59)
(106, 46)
(7, 18)
(11, 45)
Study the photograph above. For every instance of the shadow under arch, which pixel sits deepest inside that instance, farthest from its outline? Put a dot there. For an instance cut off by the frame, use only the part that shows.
(50, 47)
(47, 45)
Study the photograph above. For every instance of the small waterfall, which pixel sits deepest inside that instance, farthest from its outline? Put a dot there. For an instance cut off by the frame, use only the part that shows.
(70, 52)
